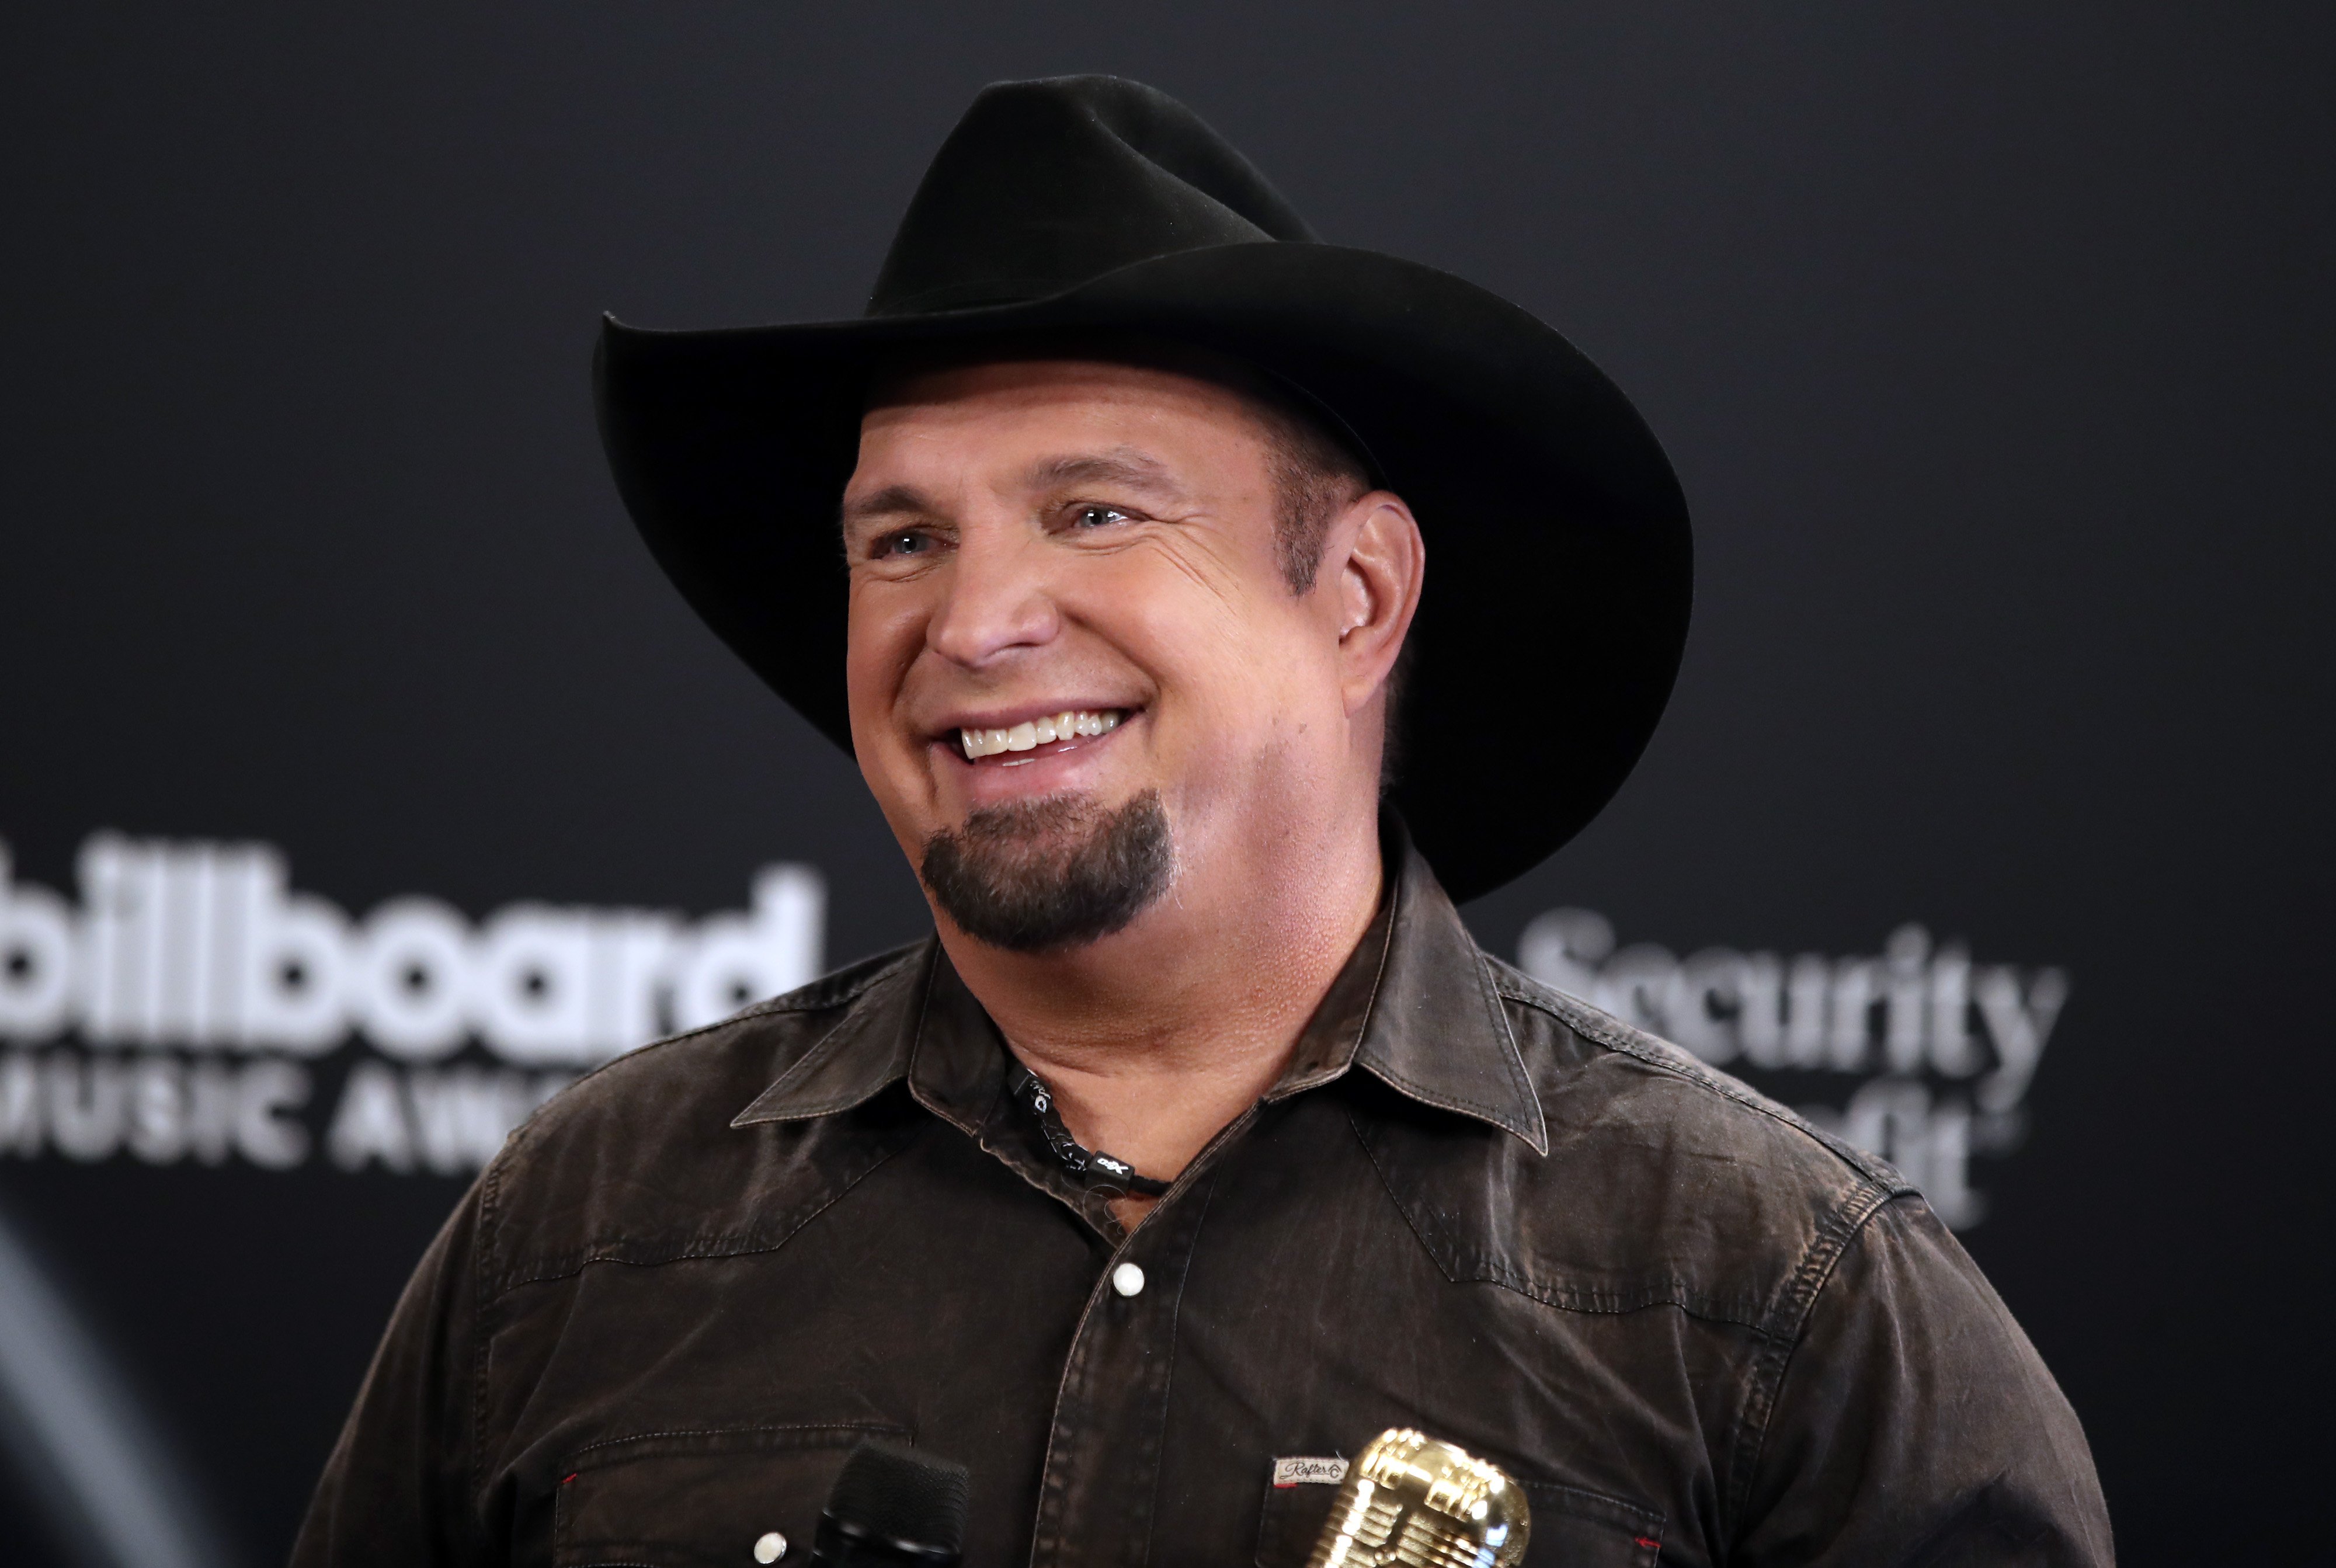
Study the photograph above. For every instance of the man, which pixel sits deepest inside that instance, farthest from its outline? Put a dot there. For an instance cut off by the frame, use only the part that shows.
(1201, 1138)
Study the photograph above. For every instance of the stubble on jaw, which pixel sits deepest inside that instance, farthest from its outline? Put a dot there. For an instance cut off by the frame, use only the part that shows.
(1039, 876)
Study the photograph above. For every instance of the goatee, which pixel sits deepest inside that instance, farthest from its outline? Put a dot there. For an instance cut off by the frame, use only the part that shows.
(1039, 876)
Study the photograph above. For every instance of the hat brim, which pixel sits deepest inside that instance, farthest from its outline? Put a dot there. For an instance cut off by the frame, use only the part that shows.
(1543, 650)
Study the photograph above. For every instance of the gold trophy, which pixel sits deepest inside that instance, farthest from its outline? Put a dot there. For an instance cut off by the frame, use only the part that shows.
(1411, 1500)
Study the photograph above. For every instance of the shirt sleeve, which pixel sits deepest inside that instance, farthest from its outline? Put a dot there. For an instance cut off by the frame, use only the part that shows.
(397, 1488)
(1913, 1422)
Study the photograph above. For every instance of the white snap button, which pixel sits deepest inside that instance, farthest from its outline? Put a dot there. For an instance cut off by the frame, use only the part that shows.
(770, 1548)
(1127, 1280)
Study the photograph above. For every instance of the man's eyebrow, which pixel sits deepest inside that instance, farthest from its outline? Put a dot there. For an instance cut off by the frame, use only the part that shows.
(1117, 465)
(891, 500)
(1124, 465)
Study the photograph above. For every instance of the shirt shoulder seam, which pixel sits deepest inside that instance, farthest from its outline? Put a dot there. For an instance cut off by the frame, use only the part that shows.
(481, 1302)
(1815, 1271)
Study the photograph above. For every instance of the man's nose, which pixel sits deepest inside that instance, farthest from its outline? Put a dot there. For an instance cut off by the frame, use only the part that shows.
(995, 600)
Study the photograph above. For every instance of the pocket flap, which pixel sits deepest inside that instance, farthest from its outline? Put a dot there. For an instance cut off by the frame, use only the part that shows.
(700, 1499)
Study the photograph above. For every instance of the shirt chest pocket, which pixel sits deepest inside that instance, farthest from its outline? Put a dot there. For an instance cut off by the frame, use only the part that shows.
(1571, 1528)
(723, 1499)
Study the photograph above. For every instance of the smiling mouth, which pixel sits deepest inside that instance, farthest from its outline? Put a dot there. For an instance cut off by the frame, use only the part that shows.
(1074, 723)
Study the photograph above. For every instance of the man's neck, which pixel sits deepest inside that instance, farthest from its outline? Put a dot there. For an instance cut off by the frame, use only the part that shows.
(1155, 1039)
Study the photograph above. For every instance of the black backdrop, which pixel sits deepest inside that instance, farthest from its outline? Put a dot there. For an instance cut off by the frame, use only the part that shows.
(1992, 345)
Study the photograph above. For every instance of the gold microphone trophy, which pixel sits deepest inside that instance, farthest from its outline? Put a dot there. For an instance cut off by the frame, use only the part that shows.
(1412, 1501)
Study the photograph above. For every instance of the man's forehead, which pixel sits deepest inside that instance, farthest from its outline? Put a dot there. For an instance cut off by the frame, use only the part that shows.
(1044, 422)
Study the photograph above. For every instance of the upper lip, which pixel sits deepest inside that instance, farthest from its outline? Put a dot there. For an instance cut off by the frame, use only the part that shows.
(1022, 713)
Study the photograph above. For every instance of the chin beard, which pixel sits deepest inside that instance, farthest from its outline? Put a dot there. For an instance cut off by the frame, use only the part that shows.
(1039, 876)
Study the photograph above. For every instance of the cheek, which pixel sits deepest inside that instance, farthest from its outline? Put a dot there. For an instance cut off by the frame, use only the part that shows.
(1234, 672)
(882, 634)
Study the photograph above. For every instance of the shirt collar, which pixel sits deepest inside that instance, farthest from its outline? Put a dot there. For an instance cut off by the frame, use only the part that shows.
(1413, 1007)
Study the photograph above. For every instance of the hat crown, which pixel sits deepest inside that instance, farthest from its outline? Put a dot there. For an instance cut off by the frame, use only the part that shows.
(1047, 184)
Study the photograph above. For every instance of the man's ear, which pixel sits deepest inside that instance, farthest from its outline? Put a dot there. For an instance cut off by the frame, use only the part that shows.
(1378, 563)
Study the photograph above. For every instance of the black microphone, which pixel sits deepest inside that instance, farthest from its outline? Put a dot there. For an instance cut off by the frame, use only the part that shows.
(893, 1506)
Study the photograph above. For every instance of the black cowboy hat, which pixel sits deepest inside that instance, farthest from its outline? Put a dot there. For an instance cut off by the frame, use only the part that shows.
(1547, 642)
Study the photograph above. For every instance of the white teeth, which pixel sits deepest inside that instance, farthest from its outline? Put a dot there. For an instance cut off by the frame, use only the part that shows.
(1068, 725)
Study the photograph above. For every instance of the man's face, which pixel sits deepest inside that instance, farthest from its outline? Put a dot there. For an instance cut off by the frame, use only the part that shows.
(1084, 551)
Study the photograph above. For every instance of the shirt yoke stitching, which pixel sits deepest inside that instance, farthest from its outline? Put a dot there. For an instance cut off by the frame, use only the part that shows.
(736, 1244)
(1879, 1181)
(1617, 1036)
(1387, 1185)
(1693, 1303)
(1702, 1305)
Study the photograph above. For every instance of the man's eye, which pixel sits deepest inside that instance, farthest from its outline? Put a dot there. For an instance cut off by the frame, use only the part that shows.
(1097, 516)
(906, 542)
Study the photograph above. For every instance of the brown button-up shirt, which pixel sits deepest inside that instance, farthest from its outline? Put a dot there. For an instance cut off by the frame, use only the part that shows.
(1693, 1328)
